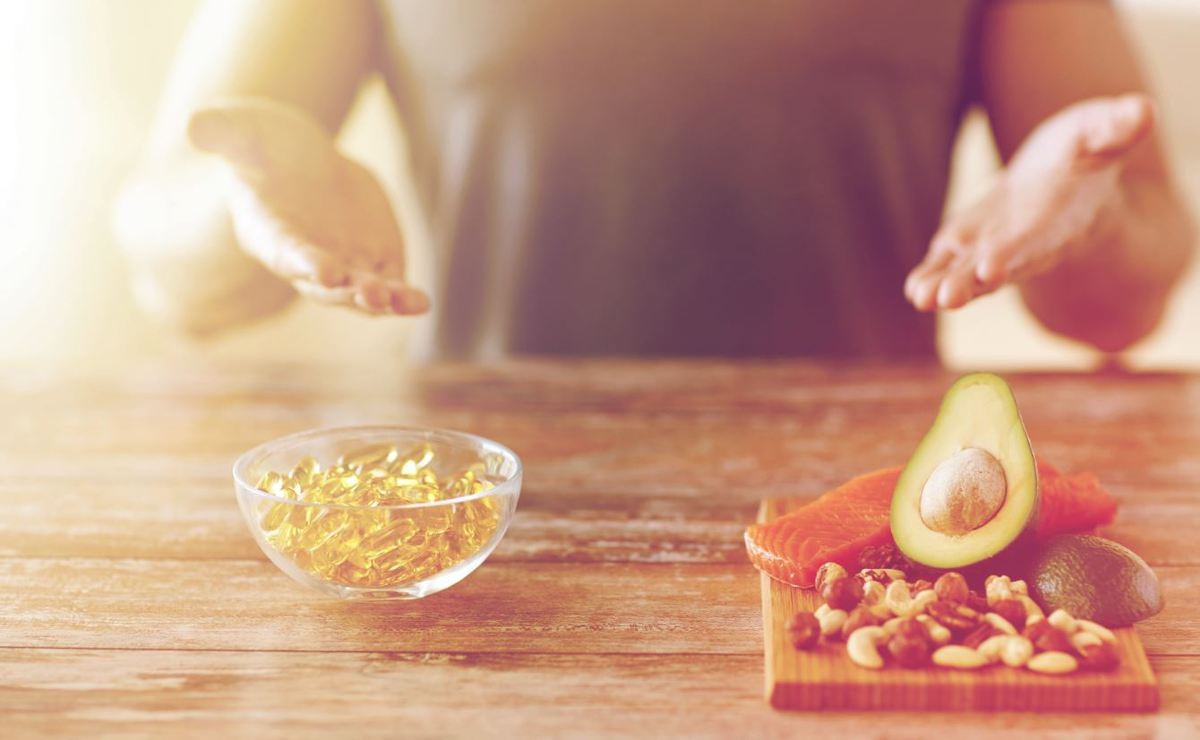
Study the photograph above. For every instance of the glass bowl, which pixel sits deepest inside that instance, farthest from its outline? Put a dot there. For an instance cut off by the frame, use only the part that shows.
(356, 547)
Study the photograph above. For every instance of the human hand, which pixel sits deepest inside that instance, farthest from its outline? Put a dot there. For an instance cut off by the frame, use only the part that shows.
(1056, 199)
(312, 216)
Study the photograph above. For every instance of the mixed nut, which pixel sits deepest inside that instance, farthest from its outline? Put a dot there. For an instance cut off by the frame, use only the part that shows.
(879, 615)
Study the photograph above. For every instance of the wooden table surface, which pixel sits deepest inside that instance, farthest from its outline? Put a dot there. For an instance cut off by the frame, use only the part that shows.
(133, 600)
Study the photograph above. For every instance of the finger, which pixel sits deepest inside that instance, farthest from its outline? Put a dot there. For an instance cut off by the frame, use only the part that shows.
(991, 269)
(933, 265)
(257, 137)
(372, 295)
(1112, 127)
(959, 285)
(948, 245)
(409, 301)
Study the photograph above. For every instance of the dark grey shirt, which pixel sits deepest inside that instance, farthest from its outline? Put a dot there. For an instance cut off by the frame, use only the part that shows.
(744, 178)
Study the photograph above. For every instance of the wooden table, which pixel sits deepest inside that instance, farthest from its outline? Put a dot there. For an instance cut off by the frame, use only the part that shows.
(132, 599)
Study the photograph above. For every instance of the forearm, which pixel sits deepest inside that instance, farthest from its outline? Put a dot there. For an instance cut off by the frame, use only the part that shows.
(1112, 291)
(170, 217)
(186, 269)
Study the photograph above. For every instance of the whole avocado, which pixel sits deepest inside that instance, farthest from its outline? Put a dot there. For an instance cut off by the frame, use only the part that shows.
(1094, 578)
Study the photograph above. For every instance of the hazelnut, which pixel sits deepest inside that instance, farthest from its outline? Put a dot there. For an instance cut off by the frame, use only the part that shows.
(951, 588)
(909, 650)
(826, 573)
(804, 630)
(1101, 657)
(911, 627)
(1012, 610)
(860, 617)
(843, 593)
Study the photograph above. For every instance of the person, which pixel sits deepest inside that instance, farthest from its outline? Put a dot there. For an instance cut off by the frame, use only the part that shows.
(627, 177)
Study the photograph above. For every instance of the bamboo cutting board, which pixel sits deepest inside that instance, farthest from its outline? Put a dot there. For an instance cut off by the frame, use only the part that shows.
(825, 678)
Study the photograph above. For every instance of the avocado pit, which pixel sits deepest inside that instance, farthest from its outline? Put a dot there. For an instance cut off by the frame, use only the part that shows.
(963, 492)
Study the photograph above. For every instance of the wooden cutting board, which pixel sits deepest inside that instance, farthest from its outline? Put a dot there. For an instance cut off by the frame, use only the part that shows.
(826, 679)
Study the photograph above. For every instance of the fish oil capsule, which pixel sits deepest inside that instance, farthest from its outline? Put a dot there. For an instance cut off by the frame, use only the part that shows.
(369, 544)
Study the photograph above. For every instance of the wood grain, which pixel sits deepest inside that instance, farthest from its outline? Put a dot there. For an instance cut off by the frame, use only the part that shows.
(132, 601)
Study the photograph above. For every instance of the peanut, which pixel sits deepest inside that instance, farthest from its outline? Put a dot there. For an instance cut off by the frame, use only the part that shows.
(880, 611)
(1054, 662)
(1033, 612)
(832, 621)
(1061, 619)
(863, 647)
(1017, 651)
(959, 656)
(1000, 623)
(1099, 630)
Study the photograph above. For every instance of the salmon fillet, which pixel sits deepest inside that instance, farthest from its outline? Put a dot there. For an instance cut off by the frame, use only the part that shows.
(839, 525)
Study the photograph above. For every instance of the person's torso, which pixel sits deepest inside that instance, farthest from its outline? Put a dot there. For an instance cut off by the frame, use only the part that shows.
(703, 178)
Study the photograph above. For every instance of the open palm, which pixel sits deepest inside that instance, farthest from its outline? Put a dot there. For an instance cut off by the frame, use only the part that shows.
(311, 215)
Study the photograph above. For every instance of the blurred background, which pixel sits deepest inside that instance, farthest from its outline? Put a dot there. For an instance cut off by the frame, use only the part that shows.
(79, 82)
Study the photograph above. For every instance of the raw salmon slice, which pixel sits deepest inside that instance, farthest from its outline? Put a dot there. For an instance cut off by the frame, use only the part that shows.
(839, 525)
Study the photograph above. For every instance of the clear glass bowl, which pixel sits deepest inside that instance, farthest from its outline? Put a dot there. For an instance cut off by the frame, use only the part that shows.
(390, 551)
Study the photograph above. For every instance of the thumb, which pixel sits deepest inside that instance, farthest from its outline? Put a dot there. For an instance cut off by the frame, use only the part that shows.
(258, 137)
(1113, 126)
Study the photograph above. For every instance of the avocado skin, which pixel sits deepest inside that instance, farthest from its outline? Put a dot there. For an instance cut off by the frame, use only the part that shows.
(1094, 578)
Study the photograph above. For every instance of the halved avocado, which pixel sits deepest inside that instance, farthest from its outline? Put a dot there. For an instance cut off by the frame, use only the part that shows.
(970, 489)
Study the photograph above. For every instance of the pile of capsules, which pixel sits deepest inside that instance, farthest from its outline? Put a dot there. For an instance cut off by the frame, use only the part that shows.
(361, 540)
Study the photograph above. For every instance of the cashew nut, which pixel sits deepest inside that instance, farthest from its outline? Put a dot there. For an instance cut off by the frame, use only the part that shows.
(922, 600)
(863, 646)
(899, 600)
(991, 647)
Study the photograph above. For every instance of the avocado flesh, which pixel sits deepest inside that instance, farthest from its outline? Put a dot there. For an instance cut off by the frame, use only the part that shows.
(1094, 578)
(979, 411)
